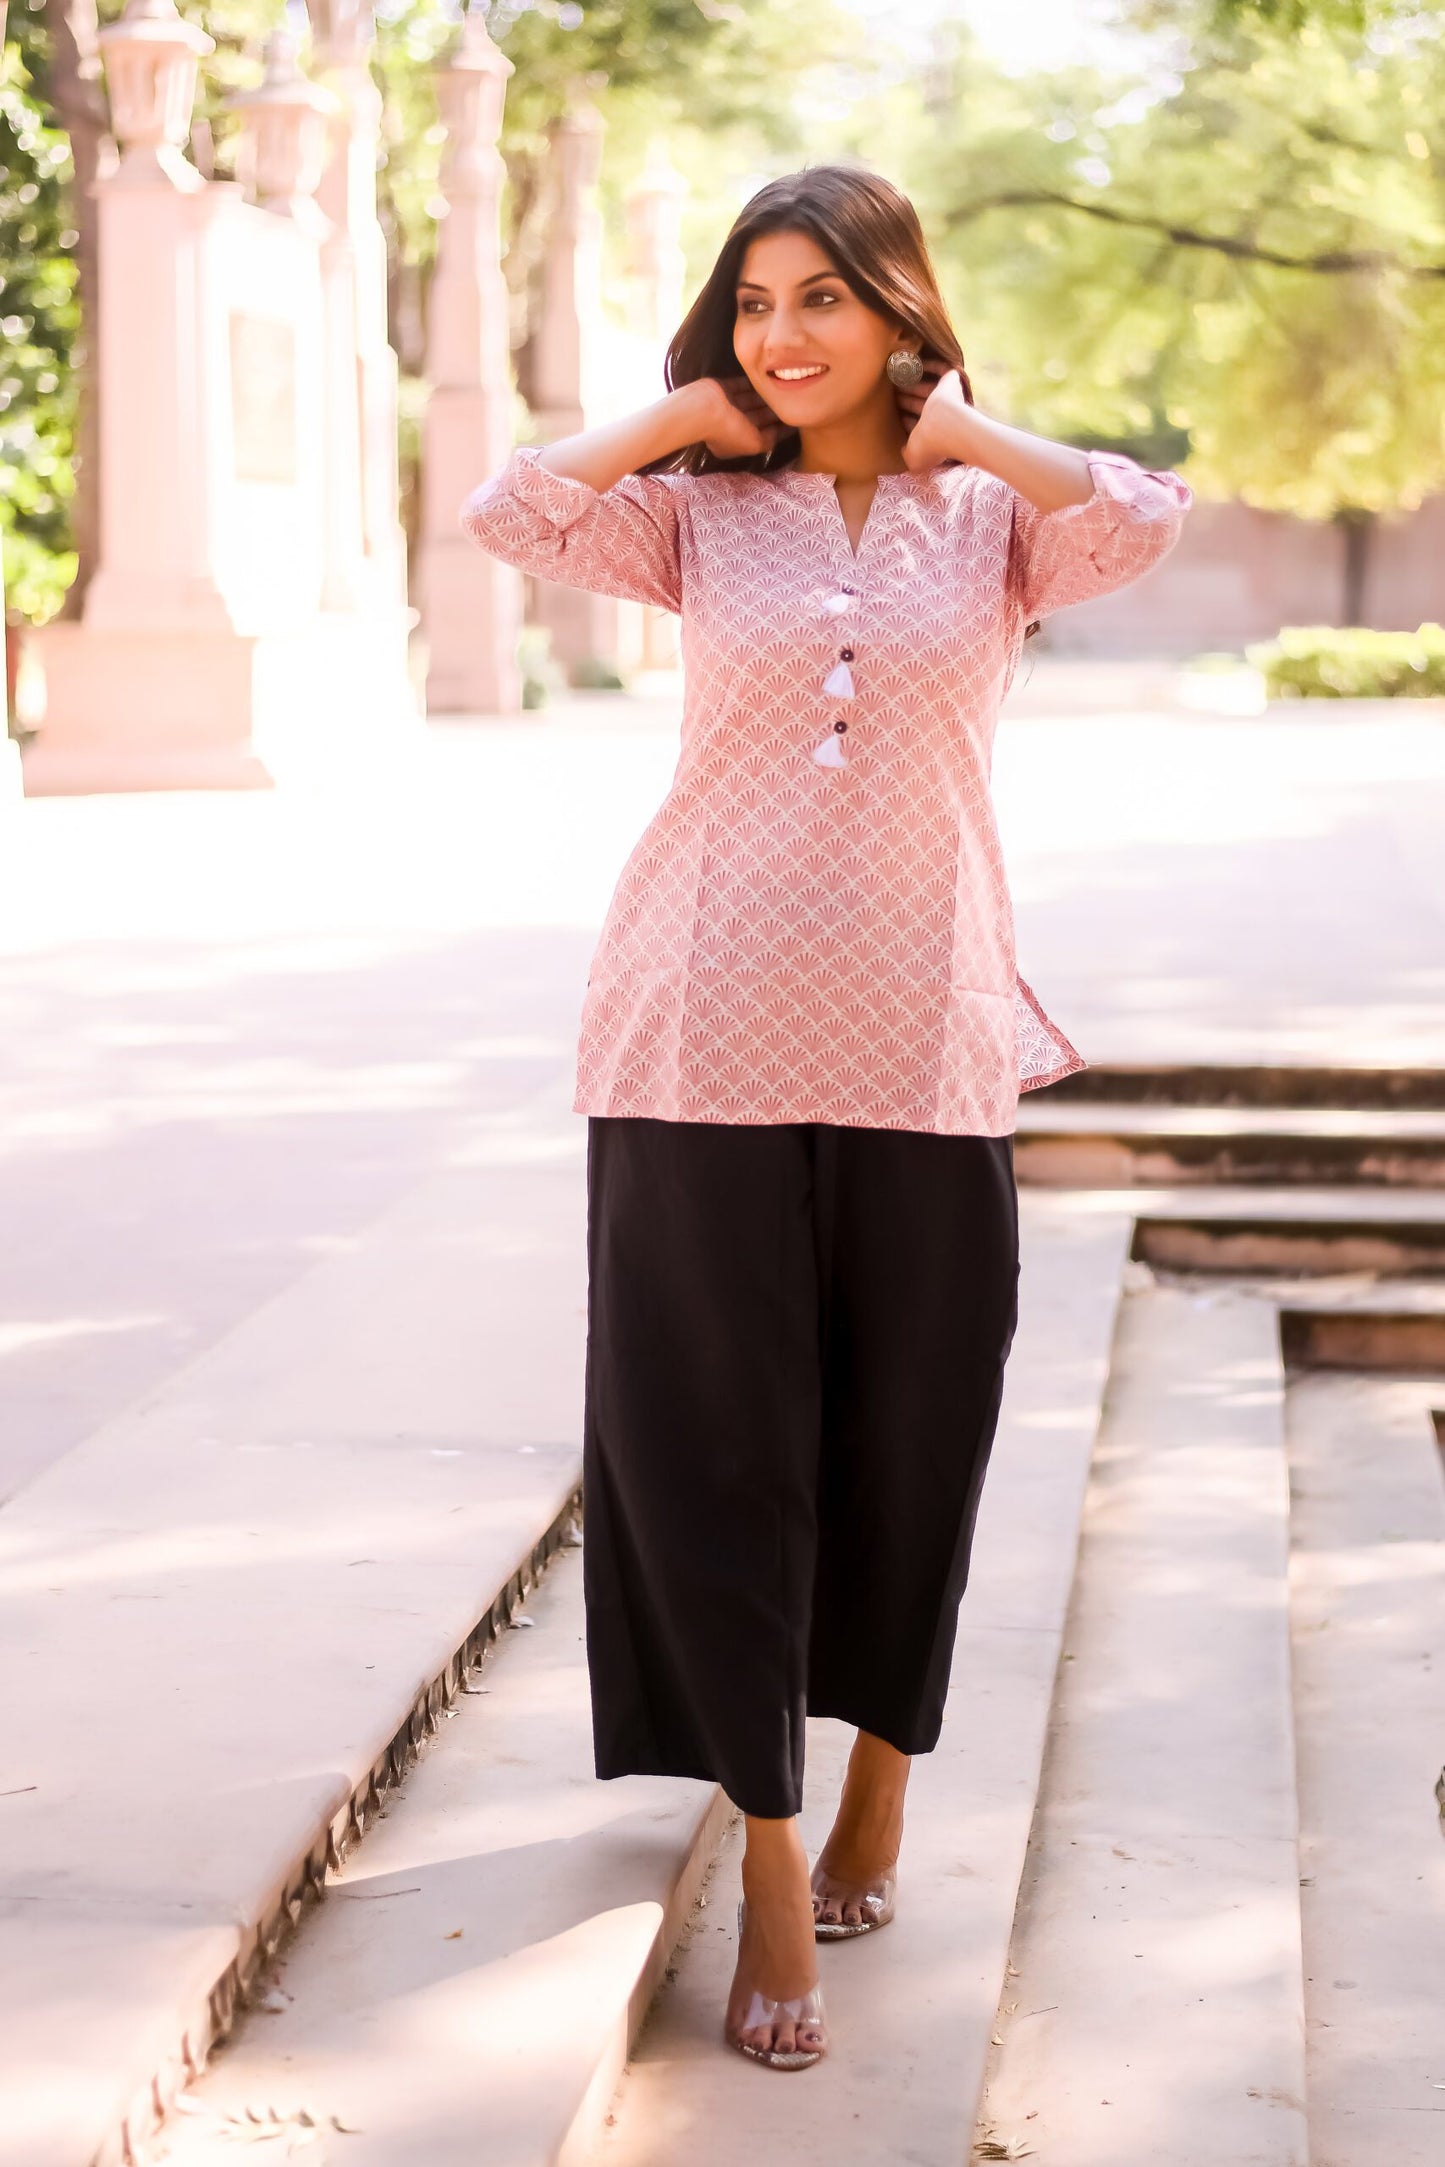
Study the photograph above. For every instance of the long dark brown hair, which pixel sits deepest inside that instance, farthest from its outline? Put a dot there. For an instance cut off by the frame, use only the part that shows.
(870, 231)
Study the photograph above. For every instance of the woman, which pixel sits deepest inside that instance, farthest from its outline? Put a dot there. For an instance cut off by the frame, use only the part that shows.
(804, 1037)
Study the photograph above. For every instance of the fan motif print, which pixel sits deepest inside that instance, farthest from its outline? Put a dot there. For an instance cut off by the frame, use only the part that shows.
(815, 925)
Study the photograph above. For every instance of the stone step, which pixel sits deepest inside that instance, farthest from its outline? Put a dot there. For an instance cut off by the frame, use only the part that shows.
(1255, 1087)
(466, 1993)
(233, 1612)
(1401, 1341)
(501, 2047)
(1267, 1245)
(1155, 2009)
(1103, 1145)
(1368, 1604)
(911, 2011)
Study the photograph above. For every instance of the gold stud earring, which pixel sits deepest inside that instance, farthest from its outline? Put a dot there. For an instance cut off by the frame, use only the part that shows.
(904, 369)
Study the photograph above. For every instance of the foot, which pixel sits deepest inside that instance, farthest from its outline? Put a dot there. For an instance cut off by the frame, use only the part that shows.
(856, 1875)
(775, 2007)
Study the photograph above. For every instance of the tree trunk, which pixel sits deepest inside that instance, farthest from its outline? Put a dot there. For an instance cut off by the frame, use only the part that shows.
(1357, 530)
(74, 89)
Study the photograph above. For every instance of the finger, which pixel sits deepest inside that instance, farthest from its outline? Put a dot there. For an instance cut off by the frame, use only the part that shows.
(740, 390)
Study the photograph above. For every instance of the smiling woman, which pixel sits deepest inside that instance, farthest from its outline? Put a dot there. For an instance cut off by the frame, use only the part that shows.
(804, 1035)
(815, 286)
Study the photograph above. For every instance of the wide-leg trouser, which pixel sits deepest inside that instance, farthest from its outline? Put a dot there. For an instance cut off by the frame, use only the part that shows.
(796, 1341)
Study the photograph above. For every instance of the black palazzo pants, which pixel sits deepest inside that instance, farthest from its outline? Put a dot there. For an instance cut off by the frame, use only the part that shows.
(796, 1339)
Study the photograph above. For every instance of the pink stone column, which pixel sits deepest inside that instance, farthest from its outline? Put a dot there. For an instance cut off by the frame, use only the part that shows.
(471, 605)
(155, 564)
(343, 33)
(584, 626)
(656, 285)
(656, 265)
(209, 652)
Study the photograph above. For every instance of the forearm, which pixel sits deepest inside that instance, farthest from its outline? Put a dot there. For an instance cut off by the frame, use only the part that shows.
(1049, 474)
(601, 456)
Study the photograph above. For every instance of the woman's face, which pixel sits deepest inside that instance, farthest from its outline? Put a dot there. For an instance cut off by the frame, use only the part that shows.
(806, 343)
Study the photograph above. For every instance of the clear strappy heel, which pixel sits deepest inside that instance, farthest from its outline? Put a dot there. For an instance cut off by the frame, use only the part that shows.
(803, 2011)
(874, 1901)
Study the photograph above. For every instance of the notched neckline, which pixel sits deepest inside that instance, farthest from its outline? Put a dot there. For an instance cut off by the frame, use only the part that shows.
(808, 474)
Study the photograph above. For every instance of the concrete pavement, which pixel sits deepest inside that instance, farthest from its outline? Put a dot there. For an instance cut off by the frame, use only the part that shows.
(234, 1029)
(247, 1043)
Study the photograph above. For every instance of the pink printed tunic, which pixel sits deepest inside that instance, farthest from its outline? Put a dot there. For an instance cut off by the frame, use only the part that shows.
(815, 924)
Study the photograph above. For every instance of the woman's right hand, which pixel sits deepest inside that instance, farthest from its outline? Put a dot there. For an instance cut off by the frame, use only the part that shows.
(725, 413)
(734, 422)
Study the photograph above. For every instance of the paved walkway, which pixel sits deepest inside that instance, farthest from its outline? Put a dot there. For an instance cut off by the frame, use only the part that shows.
(274, 1063)
(235, 1029)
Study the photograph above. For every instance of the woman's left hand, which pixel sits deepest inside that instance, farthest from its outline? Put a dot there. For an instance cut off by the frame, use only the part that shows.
(932, 413)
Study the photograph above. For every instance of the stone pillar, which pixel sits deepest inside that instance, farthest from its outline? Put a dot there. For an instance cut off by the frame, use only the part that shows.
(204, 655)
(656, 287)
(283, 137)
(583, 626)
(155, 561)
(656, 267)
(343, 33)
(471, 604)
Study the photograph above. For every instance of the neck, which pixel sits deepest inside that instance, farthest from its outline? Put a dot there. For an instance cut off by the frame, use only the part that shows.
(858, 448)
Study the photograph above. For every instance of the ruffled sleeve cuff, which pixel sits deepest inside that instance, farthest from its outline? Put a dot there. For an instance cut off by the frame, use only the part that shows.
(559, 498)
(1131, 520)
(622, 541)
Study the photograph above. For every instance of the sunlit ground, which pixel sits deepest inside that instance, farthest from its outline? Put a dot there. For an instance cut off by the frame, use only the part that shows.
(235, 1028)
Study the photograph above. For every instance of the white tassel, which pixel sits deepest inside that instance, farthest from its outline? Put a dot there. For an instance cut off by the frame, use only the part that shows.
(838, 683)
(830, 753)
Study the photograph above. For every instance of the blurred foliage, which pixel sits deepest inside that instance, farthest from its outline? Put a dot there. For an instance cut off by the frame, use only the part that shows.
(1241, 249)
(1232, 256)
(1294, 14)
(719, 75)
(719, 79)
(38, 322)
(1323, 662)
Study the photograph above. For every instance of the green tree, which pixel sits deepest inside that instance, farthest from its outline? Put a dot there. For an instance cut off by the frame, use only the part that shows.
(720, 75)
(38, 324)
(1243, 250)
(720, 72)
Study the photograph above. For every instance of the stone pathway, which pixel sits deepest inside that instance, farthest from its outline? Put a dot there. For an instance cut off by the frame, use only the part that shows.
(293, 1198)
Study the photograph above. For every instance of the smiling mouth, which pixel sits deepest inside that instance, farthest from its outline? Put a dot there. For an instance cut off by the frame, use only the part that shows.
(799, 376)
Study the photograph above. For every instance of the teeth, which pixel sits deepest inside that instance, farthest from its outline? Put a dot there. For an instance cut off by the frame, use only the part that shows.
(794, 376)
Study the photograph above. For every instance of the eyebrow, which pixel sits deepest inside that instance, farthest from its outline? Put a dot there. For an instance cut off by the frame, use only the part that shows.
(751, 284)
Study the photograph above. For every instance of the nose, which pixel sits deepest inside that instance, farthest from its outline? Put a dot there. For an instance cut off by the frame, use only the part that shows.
(786, 343)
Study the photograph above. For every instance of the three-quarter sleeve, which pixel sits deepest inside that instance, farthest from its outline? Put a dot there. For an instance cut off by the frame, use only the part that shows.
(1132, 519)
(621, 541)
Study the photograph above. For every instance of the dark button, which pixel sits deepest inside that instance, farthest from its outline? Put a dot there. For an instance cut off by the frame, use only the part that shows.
(840, 725)
(847, 654)
(848, 590)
